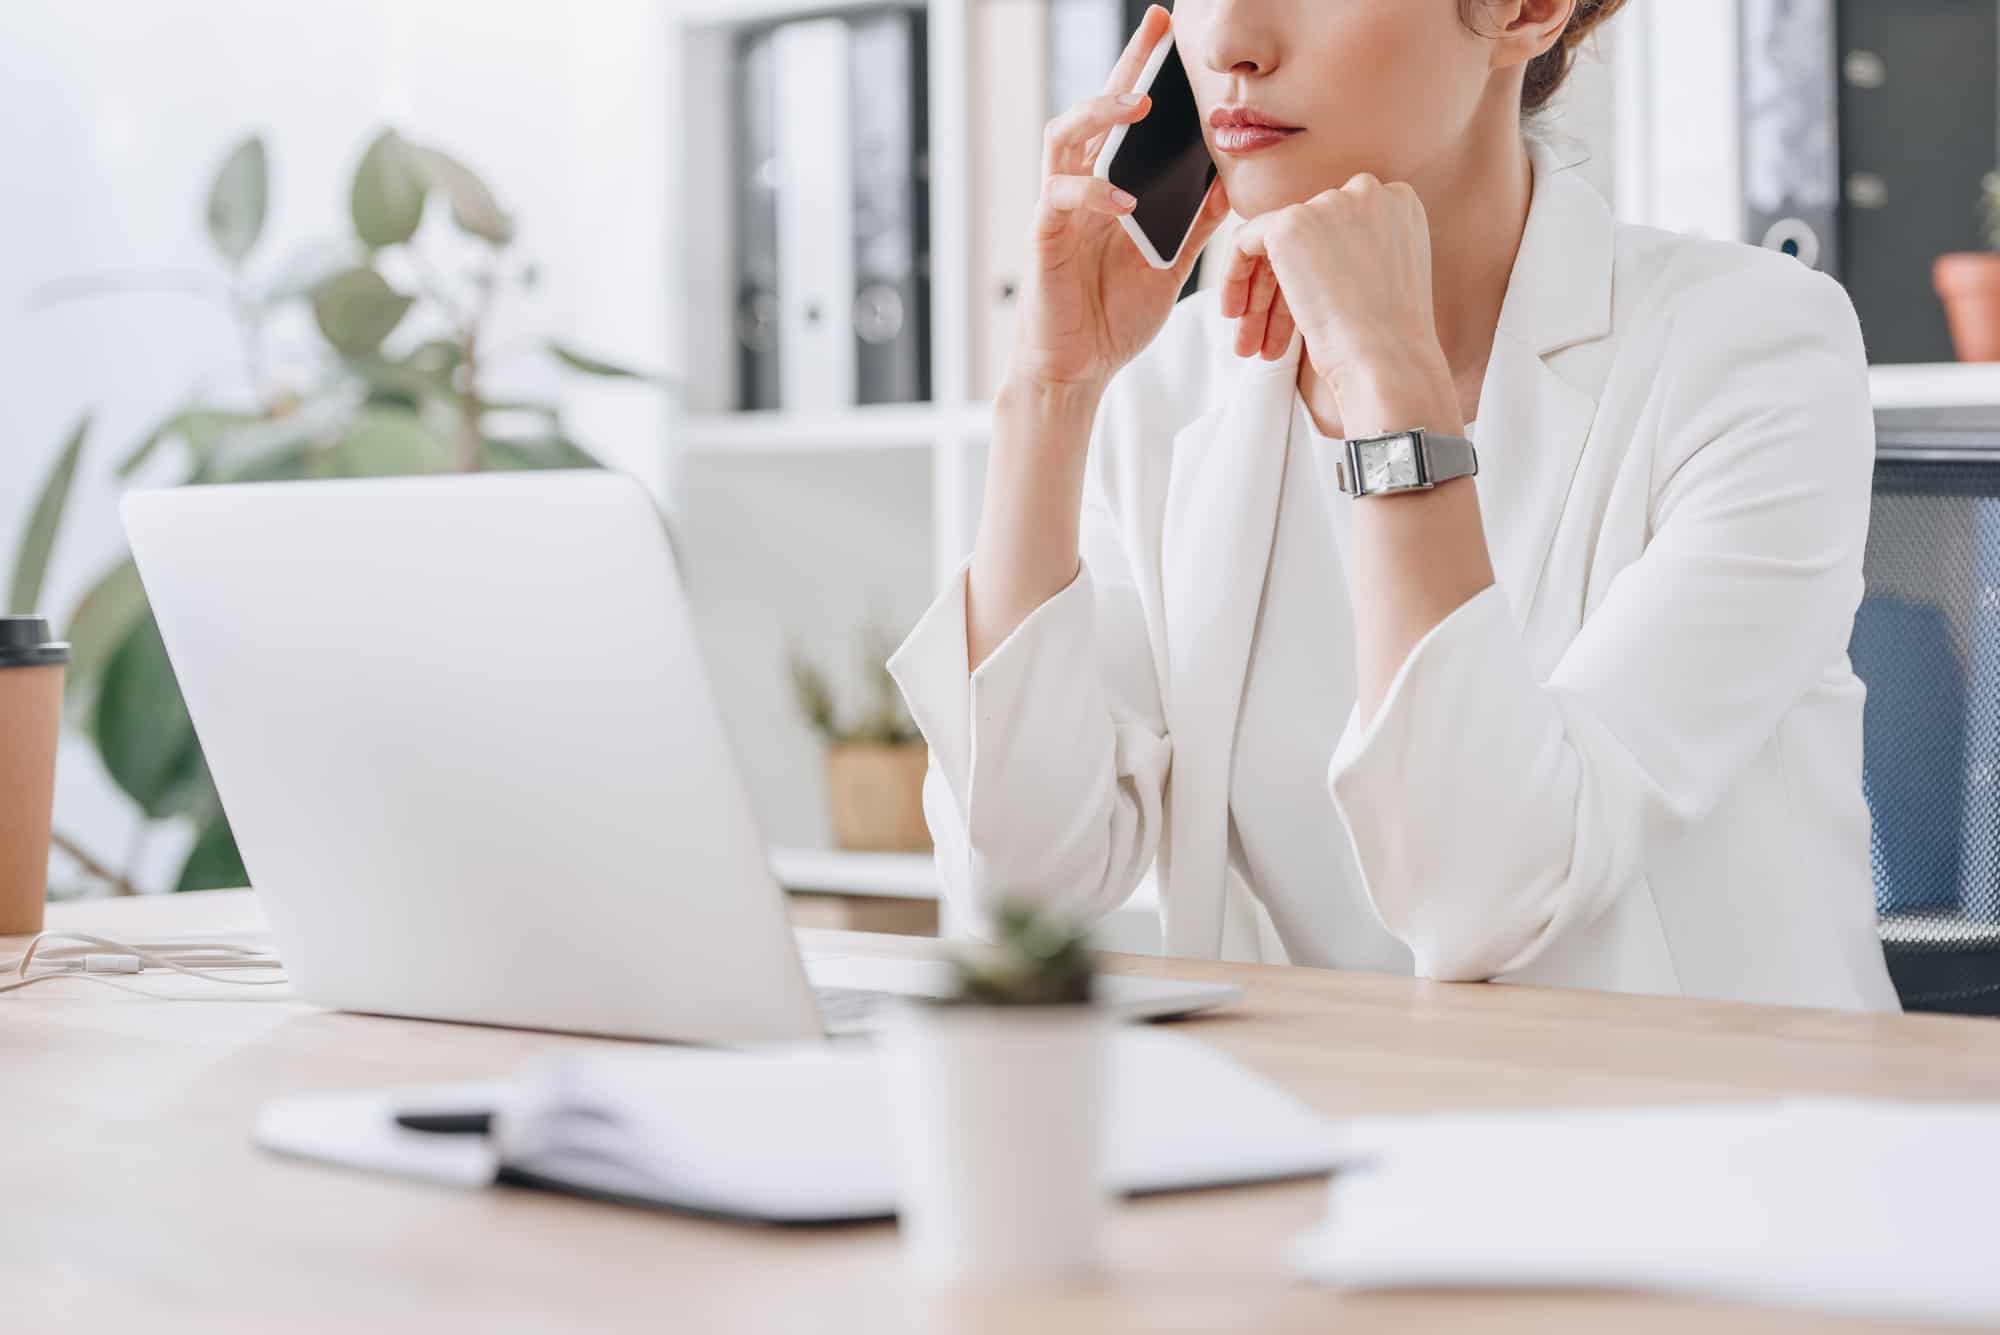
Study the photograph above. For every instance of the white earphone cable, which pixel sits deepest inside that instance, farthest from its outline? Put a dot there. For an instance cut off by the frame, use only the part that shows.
(97, 956)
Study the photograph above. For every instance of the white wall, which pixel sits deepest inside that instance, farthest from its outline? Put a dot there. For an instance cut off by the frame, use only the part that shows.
(1583, 116)
(114, 114)
(1680, 137)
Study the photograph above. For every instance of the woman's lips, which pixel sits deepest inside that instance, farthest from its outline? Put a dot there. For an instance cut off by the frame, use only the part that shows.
(1240, 139)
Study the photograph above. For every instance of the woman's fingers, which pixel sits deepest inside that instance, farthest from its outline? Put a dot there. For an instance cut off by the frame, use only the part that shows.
(1153, 25)
(1064, 195)
(1236, 279)
(1251, 326)
(1278, 333)
(1214, 208)
(1251, 296)
(1071, 141)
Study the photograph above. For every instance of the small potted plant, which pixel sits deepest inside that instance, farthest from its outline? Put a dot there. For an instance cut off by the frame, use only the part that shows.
(874, 765)
(1969, 283)
(999, 1090)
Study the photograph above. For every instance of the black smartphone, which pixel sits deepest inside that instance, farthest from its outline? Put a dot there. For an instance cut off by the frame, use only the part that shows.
(1161, 161)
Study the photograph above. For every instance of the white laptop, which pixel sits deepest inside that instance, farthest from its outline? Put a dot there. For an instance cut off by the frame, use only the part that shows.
(464, 737)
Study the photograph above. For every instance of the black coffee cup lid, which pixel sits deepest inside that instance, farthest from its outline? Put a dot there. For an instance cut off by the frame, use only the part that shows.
(25, 642)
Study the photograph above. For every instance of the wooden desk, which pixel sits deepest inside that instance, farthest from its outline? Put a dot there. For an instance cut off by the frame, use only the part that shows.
(132, 1192)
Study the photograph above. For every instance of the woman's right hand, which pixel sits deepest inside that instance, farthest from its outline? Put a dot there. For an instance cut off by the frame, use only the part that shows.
(1092, 302)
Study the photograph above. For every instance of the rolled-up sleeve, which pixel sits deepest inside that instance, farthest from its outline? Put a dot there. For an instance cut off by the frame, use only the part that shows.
(1490, 810)
(956, 708)
(1048, 763)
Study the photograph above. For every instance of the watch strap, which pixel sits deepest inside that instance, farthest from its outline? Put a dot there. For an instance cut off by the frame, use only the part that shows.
(1447, 457)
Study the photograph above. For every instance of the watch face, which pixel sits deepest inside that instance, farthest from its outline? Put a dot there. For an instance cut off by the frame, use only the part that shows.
(1389, 464)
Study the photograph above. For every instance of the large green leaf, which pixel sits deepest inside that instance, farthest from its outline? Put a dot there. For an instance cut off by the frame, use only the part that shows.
(142, 728)
(31, 562)
(473, 206)
(214, 862)
(526, 455)
(389, 442)
(577, 361)
(426, 373)
(101, 622)
(387, 198)
(290, 462)
(238, 199)
(200, 429)
(356, 309)
(438, 358)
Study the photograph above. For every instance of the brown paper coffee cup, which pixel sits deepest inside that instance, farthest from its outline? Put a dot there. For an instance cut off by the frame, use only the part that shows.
(31, 684)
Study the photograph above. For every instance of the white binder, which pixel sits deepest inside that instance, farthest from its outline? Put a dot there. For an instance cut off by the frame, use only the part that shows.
(1009, 109)
(816, 353)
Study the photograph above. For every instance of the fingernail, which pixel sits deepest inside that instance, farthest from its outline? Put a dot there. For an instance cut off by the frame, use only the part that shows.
(1121, 199)
(1131, 99)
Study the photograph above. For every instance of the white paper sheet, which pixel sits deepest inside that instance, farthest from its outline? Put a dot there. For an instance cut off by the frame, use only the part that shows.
(1869, 1209)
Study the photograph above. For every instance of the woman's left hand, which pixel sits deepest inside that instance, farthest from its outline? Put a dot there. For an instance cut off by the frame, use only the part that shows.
(1351, 268)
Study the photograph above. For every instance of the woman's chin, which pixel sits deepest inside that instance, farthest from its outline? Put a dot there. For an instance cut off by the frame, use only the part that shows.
(1253, 191)
(1257, 186)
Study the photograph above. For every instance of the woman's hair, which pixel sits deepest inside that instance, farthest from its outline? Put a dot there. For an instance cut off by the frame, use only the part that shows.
(1547, 71)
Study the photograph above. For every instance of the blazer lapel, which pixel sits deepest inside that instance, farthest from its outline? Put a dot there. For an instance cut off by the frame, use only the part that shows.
(1533, 421)
(1532, 429)
(1221, 510)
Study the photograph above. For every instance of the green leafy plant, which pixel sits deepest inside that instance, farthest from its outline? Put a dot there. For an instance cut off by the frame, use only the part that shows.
(395, 379)
(1989, 201)
(1038, 959)
(883, 722)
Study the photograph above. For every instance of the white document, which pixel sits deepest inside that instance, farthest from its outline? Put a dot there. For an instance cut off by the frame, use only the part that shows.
(816, 354)
(795, 1135)
(1881, 1210)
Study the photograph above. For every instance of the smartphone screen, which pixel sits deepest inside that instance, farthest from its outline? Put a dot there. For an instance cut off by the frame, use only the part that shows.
(1164, 161)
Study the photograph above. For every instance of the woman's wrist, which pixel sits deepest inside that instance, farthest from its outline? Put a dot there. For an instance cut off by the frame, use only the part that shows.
(1052, 403)
(1397, 392)
(1026, 550)
(1034, 471)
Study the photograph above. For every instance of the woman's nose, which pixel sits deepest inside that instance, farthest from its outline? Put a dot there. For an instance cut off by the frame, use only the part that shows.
(1235, 44)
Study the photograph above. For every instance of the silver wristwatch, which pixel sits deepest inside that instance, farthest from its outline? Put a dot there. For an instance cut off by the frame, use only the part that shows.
(1403, 461)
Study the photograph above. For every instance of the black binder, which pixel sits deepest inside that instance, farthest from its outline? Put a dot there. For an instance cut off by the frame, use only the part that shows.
(1917, 135)
(891, 206)
(756, 322)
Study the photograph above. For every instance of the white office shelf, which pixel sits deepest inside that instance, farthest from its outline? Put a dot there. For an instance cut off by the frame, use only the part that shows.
(831, 871)
(889, 426)
(883, 426)
(732, 13)
(703, 295)
(1935, 385)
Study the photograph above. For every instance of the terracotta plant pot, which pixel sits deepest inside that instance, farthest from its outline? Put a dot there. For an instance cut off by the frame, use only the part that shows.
(1970, 286)
(877, 796)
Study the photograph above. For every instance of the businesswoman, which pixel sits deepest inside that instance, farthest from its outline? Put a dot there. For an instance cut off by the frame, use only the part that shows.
(1577, 713)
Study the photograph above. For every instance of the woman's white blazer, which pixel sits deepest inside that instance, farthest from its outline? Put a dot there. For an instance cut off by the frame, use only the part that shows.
(1634, 762)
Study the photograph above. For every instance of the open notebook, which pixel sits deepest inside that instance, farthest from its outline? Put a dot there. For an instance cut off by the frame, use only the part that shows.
(794, 1136)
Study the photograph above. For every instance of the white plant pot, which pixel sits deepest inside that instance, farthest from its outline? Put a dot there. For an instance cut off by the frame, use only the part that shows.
(1000, 1116)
